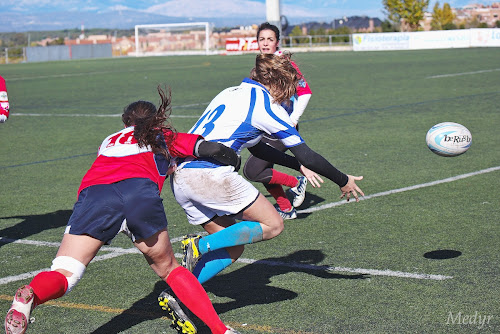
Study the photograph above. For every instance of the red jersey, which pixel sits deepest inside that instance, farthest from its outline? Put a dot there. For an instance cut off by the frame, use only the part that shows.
(120, 157)
(302, 86)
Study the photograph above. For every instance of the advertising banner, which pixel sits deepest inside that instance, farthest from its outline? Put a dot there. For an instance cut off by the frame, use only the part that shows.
(485, 37)
(381, 41)
(440, 39)
(242, 44)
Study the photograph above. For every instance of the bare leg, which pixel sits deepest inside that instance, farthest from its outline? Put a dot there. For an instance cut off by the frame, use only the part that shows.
(263, 211)
(157, 250)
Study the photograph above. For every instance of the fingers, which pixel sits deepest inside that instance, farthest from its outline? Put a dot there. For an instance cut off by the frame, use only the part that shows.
(351, 188)
(347, 195)
(315, 180)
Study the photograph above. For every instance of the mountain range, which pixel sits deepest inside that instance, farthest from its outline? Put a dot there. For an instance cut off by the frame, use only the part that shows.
(116, 19)
(37, 15)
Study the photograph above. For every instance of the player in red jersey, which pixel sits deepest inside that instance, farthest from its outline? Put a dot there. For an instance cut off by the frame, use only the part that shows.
(259, 170)
(122, 187)
(4, 101)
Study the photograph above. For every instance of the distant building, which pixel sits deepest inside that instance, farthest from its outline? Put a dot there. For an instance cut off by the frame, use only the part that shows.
(354, 23)
(487, 14)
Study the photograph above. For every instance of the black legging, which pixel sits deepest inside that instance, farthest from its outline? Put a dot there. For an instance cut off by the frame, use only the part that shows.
(258, 170)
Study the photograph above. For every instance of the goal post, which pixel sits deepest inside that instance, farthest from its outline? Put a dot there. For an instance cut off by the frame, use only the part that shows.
(172, 38)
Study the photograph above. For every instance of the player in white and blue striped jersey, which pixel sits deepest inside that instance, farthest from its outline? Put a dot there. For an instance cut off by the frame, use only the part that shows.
(216, 196)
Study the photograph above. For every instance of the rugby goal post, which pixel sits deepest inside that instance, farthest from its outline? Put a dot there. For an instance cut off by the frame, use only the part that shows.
(172, 38)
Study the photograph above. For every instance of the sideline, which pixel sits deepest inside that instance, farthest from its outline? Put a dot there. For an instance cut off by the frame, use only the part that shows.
(463, 73)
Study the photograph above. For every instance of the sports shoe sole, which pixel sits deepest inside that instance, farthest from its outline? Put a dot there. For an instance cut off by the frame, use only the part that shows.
(180, 320)
(191, 252)
(16, 321)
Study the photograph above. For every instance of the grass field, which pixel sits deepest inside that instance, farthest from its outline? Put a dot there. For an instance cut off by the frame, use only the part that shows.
(419, 254)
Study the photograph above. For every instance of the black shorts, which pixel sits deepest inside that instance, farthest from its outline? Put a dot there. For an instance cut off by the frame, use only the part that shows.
(101, 210)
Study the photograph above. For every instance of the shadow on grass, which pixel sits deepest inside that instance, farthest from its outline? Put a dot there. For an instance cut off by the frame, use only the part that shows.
(33, 224)
(442, 254)
(246, 286)
(144, 309)
(310, 200)
(249, 285)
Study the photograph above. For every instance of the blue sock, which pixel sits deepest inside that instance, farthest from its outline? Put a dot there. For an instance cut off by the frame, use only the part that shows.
(242, 233)
(211, 264)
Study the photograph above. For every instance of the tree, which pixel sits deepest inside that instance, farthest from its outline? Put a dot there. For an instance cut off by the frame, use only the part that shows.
(388, 26)
(442, 18)
(297, 31)
(57, 41)
(406, 14)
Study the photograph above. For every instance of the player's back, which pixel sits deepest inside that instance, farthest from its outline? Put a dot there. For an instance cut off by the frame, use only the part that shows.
(239, 116)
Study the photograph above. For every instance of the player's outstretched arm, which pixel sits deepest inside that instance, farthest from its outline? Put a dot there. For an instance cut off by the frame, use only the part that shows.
(320, 165)
(268, 153)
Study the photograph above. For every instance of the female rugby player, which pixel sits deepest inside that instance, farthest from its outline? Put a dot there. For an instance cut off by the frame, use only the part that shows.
(214, 196)
(121, 190)
(259, 170)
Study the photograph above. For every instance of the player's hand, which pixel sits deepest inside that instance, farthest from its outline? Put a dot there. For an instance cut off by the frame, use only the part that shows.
(313, 178)
(351, 188)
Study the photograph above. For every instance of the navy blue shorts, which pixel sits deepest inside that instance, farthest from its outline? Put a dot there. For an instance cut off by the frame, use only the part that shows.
(101, 209)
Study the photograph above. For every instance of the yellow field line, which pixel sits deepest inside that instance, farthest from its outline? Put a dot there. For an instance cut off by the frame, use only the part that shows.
(106, 309)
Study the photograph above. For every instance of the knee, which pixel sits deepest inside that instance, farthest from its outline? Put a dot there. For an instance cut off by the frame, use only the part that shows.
(71, 265)
(280, 226)
(275, 228)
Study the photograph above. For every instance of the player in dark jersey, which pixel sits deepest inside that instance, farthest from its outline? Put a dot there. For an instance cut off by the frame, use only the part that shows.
(122, 190)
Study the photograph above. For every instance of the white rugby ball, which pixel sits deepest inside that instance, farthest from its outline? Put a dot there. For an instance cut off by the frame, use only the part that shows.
(448, 139)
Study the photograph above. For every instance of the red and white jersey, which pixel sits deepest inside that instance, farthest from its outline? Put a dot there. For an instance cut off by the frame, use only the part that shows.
(120, 157)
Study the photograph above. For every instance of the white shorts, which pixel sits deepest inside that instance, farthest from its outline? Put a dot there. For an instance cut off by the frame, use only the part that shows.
(205, 193)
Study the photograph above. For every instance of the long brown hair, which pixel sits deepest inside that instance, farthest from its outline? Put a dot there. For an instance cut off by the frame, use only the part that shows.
(151, 126)
(277, 74)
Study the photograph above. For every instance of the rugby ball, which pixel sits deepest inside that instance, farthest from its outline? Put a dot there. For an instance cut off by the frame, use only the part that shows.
(448, 139)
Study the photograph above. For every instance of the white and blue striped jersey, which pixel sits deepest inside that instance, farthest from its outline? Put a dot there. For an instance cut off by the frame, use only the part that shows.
(239, 116)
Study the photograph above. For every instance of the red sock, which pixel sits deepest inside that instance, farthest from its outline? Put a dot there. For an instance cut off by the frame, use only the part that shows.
(190, 292)
(48, 285)
(279, 195)
(283, 179)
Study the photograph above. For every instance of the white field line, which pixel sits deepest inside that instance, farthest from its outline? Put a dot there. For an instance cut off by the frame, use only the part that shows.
(374, 272)
(67, 75)
(400, 190)
(117, 251)
(91, 115)
(463, 73)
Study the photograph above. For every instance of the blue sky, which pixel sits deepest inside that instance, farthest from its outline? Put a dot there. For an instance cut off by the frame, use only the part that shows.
(222, 8)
